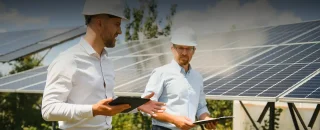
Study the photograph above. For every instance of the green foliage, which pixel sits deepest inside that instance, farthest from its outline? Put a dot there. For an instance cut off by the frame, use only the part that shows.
(22, 111)
(139, 122)
(278, 112)
(146, 23)
(135, 121)
(219, 108)
(25, 63)
(167, 28)
(150, 26)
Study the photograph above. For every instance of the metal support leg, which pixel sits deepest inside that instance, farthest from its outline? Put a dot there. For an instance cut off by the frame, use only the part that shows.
(245, 109)
(299, 117)
(53, 125)
(293, 116)
(263, 113)
(272, 116)
(314, 116)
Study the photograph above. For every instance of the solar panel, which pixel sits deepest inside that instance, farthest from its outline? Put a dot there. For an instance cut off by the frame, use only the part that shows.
(268, 75)
(159, 46)
(201, 61)
(306, 91)
(16, 44)
(263, 63)
(291, 33)
(20, 80)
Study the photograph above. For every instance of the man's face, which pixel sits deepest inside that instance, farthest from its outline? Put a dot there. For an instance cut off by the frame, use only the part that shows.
(110, 29)
(182, 54)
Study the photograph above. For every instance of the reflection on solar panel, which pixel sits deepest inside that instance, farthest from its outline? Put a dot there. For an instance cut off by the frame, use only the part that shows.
(17, 44)
(23, 80)
(267, 75)
(308, 91)
(263, 63)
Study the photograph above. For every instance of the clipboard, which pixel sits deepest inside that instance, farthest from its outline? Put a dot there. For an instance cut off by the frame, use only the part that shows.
(134, 102)
(200, 122)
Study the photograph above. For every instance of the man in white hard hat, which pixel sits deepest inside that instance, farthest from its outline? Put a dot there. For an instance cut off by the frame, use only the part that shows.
(80, 81)
(179, 86)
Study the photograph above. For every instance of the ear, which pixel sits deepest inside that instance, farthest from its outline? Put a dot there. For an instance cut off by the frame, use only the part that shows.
(99, 22)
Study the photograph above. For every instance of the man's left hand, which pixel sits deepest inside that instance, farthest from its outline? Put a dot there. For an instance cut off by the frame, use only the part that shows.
(152, 107)
(211, 125)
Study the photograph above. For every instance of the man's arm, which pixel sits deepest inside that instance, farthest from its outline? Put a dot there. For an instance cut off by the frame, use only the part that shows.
(152, 107)
(181, 122)
(202, 112)
(153, 91)
(57, 89)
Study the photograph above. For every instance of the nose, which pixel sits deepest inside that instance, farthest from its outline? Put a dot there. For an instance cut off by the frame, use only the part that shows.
(119, 31)
(184, 51)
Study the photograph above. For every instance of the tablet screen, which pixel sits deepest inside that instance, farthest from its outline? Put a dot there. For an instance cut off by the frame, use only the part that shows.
(134, 102)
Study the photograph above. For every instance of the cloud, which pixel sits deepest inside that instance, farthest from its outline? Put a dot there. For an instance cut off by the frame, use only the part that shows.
(13, 16)
(227, 14)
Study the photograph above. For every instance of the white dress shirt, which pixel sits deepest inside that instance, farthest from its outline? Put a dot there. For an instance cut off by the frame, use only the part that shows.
(75, 82)
(181, 91)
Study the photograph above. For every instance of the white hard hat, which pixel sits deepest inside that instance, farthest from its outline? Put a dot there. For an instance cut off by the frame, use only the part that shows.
(184, 36)
(112, 7)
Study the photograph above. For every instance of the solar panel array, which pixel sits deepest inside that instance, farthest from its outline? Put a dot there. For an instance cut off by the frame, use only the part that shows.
(308, 91)
(17, 44)
(263, 63)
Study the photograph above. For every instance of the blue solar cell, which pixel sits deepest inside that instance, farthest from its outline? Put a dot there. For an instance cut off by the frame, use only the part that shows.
(37, 87)
(11, 78)
(309, 37)
(310, 89)
(29, 80)
(26, 39)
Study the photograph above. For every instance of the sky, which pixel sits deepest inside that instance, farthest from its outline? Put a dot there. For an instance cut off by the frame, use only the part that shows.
(205, 16)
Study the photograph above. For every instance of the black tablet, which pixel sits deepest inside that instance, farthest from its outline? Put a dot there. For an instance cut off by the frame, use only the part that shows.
(134, 102)
(200, 122)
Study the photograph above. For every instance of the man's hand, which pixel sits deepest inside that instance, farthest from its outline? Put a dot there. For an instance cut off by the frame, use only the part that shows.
(103, 108)
(210, 125)
(183, 122)
(152, 107)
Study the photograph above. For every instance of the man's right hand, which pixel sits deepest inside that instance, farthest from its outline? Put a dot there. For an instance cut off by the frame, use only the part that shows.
(183, 122)
(103, 108)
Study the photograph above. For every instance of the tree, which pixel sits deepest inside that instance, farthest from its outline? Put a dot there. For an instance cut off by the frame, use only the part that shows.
(218, 108)
(147, 23)
(277, 114)
(167, 28)
(19, 111)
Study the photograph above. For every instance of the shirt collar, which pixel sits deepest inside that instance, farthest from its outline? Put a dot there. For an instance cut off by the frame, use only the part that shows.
(88, 48)
(179, 68)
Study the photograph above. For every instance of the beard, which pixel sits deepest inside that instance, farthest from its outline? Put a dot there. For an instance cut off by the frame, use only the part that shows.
(184, 61)
(110, 43)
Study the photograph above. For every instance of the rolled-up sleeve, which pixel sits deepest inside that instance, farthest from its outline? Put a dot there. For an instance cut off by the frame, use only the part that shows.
(155, 84)
(57, 89)
(202, 106)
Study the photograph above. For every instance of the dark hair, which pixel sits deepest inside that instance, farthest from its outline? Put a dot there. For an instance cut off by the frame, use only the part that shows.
(89, 17)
